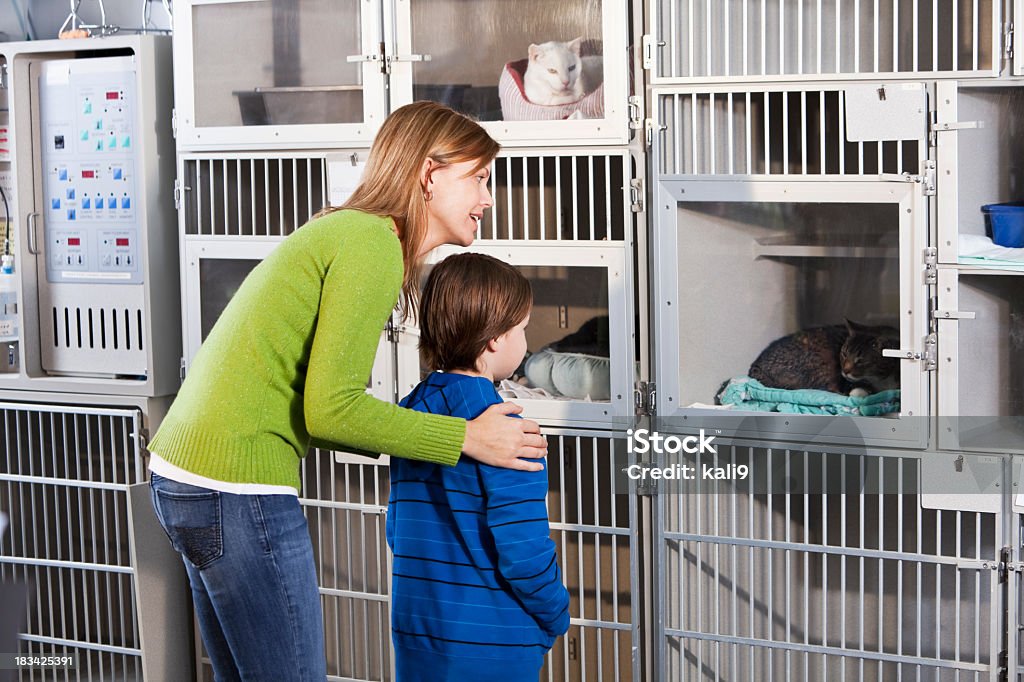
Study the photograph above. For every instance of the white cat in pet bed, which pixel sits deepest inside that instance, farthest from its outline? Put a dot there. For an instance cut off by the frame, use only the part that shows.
(557, 74)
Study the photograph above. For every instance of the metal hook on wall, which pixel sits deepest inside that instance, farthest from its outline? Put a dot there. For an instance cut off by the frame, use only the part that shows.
(79, 28)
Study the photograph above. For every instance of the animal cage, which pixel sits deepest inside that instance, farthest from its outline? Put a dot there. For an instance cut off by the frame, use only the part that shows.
(735, 40)
(103, 582)
(839, 585)
(345, 499)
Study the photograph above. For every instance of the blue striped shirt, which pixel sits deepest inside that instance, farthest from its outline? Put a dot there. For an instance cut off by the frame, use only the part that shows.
(476, 590)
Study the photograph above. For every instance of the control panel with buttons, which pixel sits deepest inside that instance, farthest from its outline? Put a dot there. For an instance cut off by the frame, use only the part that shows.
(89, 161)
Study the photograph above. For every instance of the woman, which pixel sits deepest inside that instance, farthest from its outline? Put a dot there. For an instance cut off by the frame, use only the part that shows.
(285, 367)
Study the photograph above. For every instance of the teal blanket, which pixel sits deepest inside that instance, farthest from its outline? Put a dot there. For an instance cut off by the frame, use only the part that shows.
(749, 394)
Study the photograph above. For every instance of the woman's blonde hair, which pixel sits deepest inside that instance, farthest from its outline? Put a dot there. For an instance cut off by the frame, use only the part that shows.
(391, 185)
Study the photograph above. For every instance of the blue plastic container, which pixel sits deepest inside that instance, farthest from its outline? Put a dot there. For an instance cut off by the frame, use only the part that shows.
(1005, 223)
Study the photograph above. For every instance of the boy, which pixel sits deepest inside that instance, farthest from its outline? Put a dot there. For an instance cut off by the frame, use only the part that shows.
(476, 589)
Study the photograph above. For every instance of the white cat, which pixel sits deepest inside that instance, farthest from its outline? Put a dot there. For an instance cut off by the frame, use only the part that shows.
(556, 74)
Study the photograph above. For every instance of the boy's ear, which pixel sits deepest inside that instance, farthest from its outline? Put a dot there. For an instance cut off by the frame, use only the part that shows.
(492, 345)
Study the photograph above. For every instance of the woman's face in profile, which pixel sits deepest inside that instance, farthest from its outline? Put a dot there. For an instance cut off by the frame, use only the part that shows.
(459, 197)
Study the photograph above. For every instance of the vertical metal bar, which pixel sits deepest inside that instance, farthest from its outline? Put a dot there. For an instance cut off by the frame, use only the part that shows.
(699, 572)
(916, 30)
(856, 36)
(746, 40)
(823, 140)
(839, 59)
(825, 497)
(977, 594)
(599, 597)
(575, 197)
(975, 41)
(606, 228)
(820, 43)
(787, 557)
(226, 217)
(842, 562)
(749, 132)
(693, 134)
(542, 190)
(782, 37)
(764, 40)
(767, 134)
(562, 508)
(800, 37)
(708, 70)
(508, 199)
(807, 563)
(785, 133)
(590, 188)
(938, 583)
(578, 453)
(526, 197)
(213, 202)
(309, 189)
(690, 40)
(558, 198)
(716, 512)
(294, 165)
(957, 605)
(804, 133)
(876, 45)
(712, 138)
(238, 194)
(673, 41)
(615, 561)
(727, 42)
(253, 200)
(730, 111)
(861, 504)
(734, 556)
(266, 198)
(935, 35)
(896, 69)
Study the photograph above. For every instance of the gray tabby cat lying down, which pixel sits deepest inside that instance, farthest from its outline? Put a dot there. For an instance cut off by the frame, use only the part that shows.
(843, 359)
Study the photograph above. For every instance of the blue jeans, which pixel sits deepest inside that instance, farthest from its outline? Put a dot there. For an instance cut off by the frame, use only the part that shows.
(250, 563)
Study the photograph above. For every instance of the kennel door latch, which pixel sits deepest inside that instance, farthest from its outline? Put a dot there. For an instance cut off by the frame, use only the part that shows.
(649, 44)
(929, 356)
(926, 179)
(952, 315)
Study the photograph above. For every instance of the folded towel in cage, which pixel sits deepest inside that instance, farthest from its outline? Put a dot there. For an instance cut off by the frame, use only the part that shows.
(980, 250)
(749, 394)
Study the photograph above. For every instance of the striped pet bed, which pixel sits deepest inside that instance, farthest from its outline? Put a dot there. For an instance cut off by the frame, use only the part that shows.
(515, 106)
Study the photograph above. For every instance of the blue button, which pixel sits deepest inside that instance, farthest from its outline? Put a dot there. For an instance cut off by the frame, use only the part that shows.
(86, 202)
(71, 214)
(111, 202)
(62, 174)
(126, 202)
(71, 194)
(55, 204)
(117, 173)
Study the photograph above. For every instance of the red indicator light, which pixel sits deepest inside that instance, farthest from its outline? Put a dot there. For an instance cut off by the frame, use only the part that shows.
(122, 241)
(74, 241)
(112, 95)
(88, 174)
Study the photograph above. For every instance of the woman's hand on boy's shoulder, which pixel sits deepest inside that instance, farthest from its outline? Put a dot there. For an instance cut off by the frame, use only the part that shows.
(494, 439)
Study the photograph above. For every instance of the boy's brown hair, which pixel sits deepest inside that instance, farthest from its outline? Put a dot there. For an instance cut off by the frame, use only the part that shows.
(468, 300)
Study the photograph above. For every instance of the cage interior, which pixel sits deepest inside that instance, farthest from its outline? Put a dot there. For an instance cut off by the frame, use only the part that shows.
(751, 273)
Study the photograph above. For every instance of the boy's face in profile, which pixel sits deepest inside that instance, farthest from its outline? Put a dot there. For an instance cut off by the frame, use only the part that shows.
(508, 350)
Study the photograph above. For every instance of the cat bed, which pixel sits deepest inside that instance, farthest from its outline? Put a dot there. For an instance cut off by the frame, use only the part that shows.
(515, 106)
(750, 394)
(574, 375)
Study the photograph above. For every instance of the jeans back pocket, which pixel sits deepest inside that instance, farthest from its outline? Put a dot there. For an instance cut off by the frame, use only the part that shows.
(193, 524)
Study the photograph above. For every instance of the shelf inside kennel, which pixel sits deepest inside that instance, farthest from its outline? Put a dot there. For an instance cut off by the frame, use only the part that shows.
(773, 247)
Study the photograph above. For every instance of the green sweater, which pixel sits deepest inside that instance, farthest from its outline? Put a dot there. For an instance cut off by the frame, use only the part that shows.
(286, 365)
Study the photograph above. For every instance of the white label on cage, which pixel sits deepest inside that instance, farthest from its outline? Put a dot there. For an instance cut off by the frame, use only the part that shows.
(876, 112)
(343, 176)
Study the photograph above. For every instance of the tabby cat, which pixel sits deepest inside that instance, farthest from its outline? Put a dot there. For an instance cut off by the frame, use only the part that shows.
(838, 358)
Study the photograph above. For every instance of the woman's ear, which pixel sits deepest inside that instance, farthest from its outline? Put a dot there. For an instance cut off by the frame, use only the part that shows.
(428, 167)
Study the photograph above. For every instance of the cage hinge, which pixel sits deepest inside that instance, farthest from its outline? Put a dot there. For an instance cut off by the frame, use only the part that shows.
(645, 398)
(174, 123)
(177, 194)
(635, 122)
(391, 331)
(142, 441)
(649, 43)
(931, 265)
(181, 369)
(646, 488)
(1008, 41)
(649, 127)
(636, 195)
